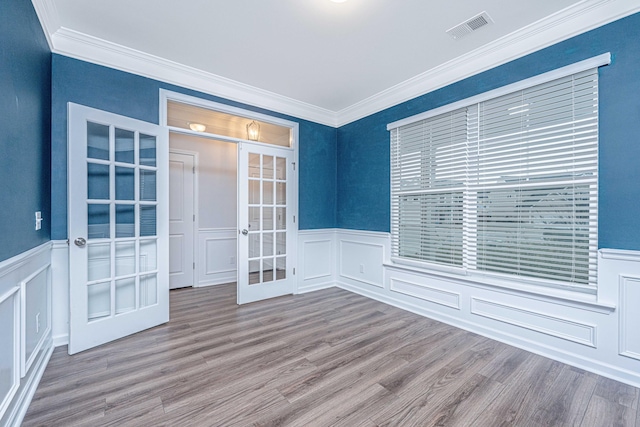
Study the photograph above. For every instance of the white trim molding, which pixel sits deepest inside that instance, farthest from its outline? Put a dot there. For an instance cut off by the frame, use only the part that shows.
(578, 18)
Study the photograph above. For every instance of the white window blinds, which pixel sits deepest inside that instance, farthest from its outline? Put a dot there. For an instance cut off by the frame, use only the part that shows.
(504, 186)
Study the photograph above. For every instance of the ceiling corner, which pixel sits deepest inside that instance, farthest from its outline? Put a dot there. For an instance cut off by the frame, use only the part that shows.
(49, 18)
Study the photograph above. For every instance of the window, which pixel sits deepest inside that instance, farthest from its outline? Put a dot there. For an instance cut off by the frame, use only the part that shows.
(504, 184)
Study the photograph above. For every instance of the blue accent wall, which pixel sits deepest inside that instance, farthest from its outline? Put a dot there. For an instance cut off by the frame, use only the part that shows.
(363, 146)
(138, 97)
(25, 136)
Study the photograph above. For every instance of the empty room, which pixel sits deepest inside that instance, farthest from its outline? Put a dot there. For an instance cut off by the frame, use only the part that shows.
(320, 213)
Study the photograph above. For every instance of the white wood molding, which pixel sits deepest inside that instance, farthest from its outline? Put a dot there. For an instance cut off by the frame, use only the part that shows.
(81, 46)
(571, 21)
(628, 317)
(518, 317)
(427, 293)
(364, 265)
(27, 362)
(306, 247)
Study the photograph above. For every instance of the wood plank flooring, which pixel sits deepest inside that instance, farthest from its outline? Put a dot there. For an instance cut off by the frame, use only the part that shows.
(328, 358)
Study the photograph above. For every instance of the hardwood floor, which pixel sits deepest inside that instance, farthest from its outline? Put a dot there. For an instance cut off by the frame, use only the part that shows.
(328, 358)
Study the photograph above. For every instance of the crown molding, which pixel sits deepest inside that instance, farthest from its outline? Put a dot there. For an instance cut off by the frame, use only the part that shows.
(81, 46)
(576, 19)
(49, 18)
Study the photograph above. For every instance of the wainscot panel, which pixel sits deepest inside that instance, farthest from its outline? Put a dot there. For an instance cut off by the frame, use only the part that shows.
(217, 252)
(25, 323)
(317, 260)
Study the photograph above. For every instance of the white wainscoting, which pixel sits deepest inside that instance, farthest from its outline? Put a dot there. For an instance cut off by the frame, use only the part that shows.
(316, 260)
(217, 256)
(25, 325)
(601, 335)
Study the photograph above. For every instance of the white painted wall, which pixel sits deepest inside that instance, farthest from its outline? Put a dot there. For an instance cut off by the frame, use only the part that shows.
(25, 329)
(217, 207)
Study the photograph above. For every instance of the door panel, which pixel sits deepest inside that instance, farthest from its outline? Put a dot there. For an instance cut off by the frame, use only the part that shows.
(266, 220)
(118, 226)
(181, 219)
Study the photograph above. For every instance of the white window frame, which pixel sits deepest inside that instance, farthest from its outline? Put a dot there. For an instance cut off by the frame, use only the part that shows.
(527, 284)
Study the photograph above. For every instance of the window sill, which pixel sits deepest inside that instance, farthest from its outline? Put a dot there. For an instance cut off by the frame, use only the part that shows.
(555, 295)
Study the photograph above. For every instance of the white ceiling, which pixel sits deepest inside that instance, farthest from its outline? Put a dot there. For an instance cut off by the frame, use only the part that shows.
(315, 54)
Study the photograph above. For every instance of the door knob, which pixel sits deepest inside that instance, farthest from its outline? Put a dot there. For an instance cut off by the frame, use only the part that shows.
(245, 232)
(80, 242)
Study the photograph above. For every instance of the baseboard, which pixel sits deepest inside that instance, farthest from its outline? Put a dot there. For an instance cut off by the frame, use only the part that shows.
(59, 340)
(23, 400)
(316, 287)
(217, 283)
(573, 359)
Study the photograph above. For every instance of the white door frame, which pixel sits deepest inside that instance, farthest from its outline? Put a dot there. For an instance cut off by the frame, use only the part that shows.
(196, 223)
(167, 95)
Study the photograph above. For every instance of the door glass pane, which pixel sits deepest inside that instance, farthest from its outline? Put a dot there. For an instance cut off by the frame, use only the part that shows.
(267, 270)
(281, 243)
(281, 268)
(125, 258)
(254, 192)
(147, 221)
(98, 222)
(148, 290)
(254, 165)
(254, 272)
(97, 141)
(147, 185)
(125, 295)
(148, 255)
(281, 193)
(147, 150)
(99, 301)
(267, 167)
(98, 261)
(267, 192)
(97, 181)
(281, 168)
(267, 244)
(254, 219)
(125, 221)
(124, 146)
(254, 245)
(281, 218)
(125, 183)
(267, 218)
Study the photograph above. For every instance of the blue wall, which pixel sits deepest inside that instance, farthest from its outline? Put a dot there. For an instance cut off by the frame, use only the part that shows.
(138, 97)
(25, 141)
(363, 146)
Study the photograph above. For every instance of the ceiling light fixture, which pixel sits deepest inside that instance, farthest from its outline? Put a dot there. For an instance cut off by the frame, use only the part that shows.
(197, 127)
(338, 1)
(253, 131)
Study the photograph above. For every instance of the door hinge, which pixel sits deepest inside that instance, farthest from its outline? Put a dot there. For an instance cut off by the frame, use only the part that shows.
(294, 219)
(194, 265)
(194, 217)
(294, 165)
(294, 271)
(193, 170)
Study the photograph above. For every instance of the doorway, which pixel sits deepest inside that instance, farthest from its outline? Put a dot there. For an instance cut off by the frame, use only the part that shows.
(257, 251)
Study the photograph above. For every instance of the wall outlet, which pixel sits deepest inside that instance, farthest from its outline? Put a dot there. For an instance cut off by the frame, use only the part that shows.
(361, 268)
(37, 323)
(38, 220)
(232, 260)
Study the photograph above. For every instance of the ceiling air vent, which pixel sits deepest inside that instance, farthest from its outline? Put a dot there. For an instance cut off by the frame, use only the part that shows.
(470, 25)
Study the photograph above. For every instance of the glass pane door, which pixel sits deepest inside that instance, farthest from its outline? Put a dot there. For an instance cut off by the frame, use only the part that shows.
(117, 210)
(266, 221)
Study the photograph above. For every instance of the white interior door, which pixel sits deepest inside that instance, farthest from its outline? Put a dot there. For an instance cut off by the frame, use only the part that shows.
(181, 219)
(118, 226)
(266, 209)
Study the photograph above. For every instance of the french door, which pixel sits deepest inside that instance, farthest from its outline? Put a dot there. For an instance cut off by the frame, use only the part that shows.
(118, 226)
(266, 234)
